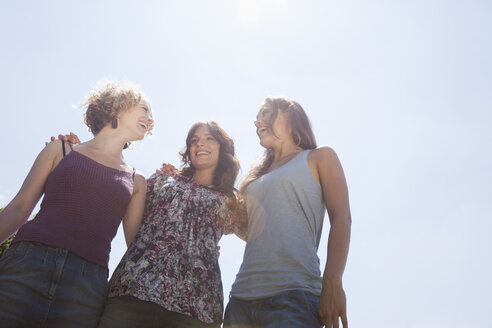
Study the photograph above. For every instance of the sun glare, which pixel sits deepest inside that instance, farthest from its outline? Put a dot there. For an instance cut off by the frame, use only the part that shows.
(250, 11)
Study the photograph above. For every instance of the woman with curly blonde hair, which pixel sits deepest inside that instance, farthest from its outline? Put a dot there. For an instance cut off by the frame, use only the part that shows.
(55, 272)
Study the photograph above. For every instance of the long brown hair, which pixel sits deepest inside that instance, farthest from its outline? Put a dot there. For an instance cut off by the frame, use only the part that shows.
(302, 133)
(228, 166)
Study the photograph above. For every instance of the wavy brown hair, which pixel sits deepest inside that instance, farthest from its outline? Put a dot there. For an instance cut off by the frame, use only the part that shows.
(228, 166)
(302, 133)
(108, 100)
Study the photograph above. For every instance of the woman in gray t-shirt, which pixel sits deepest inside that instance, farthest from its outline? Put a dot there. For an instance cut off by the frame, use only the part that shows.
(279, 283)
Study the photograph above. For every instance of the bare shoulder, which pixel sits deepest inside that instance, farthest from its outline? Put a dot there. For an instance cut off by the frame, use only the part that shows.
(54, 151)
(139, 181)
(54, 146)
(323, 155)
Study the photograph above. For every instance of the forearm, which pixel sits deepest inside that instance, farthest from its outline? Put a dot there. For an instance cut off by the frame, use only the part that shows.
(134, 213)
(338, 246)
(11, 218)
(241, 224)
(18, 210)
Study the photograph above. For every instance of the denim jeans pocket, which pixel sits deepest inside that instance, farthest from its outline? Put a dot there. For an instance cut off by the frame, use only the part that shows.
(14, 255)
(7, 254)
(311, 303)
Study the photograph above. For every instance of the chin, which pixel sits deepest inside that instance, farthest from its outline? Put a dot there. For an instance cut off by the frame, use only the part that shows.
(264, 144)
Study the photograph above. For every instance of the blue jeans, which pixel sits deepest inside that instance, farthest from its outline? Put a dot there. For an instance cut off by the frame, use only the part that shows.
(43, 286)
(294, 308)
(129, 312)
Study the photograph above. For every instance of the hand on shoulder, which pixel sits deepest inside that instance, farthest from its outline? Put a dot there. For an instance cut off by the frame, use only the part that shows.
(72, 138)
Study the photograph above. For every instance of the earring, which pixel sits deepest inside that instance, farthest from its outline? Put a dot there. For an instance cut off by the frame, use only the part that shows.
(114, 122)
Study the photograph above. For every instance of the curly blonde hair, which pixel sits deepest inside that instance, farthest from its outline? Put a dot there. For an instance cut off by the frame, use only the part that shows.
(108, 100)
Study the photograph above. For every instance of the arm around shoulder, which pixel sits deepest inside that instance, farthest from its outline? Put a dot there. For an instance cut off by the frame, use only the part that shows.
(18, 210)
(234, 218)
(134, 213)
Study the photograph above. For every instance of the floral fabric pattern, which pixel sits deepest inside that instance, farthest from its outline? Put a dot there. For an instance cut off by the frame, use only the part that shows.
(173, 260)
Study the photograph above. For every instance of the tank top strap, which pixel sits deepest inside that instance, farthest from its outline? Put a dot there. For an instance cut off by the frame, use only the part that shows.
(63, 147)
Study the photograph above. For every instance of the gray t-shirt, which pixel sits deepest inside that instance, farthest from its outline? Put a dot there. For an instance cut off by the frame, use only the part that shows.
(285, 218)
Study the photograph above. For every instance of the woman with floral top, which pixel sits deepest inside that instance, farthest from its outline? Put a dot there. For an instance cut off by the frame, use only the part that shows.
(169, 276)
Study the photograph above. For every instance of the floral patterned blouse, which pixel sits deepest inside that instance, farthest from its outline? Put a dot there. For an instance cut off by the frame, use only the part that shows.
(173, 260)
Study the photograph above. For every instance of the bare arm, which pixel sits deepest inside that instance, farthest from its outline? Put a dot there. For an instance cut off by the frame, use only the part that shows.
(240, 217)
(134, 213)
(335, 194)
(18, 210)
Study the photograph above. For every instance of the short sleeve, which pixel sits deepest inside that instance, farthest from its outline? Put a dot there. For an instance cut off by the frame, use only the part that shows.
(233, 218)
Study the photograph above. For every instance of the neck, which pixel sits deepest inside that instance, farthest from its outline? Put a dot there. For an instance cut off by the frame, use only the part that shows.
(285, 151)
(108, 142)
(205, 177)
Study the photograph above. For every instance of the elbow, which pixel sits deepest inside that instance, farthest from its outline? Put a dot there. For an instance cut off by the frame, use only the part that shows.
(18, 210)
(348, 220)
(341, 221)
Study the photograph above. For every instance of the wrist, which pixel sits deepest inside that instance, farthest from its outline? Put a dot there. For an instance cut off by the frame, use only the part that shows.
(332, 281)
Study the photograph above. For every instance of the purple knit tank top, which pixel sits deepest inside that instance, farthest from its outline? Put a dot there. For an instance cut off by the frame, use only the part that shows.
(83, 205)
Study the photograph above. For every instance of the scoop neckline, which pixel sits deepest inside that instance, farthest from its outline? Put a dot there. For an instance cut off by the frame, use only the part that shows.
(100, 164)
(290, 160)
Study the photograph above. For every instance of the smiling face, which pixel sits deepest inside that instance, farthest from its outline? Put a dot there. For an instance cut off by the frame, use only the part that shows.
(204, 149)
(209, 147)
(272, 126)
(138, 120)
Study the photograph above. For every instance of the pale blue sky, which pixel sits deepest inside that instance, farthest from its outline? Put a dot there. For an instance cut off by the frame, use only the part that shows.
(402, 90)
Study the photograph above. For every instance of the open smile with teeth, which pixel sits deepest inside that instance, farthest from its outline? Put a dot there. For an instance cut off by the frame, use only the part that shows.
(259, 131)
(201, 153)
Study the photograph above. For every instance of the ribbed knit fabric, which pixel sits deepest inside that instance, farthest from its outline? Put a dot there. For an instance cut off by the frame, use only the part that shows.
(285, 219)
(83, 205)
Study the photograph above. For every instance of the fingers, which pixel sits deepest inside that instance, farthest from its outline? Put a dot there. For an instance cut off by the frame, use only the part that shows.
(51, 139)
(344, 321)
(74, 139)
(167, 168)
(333, 322)
(336, 321)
